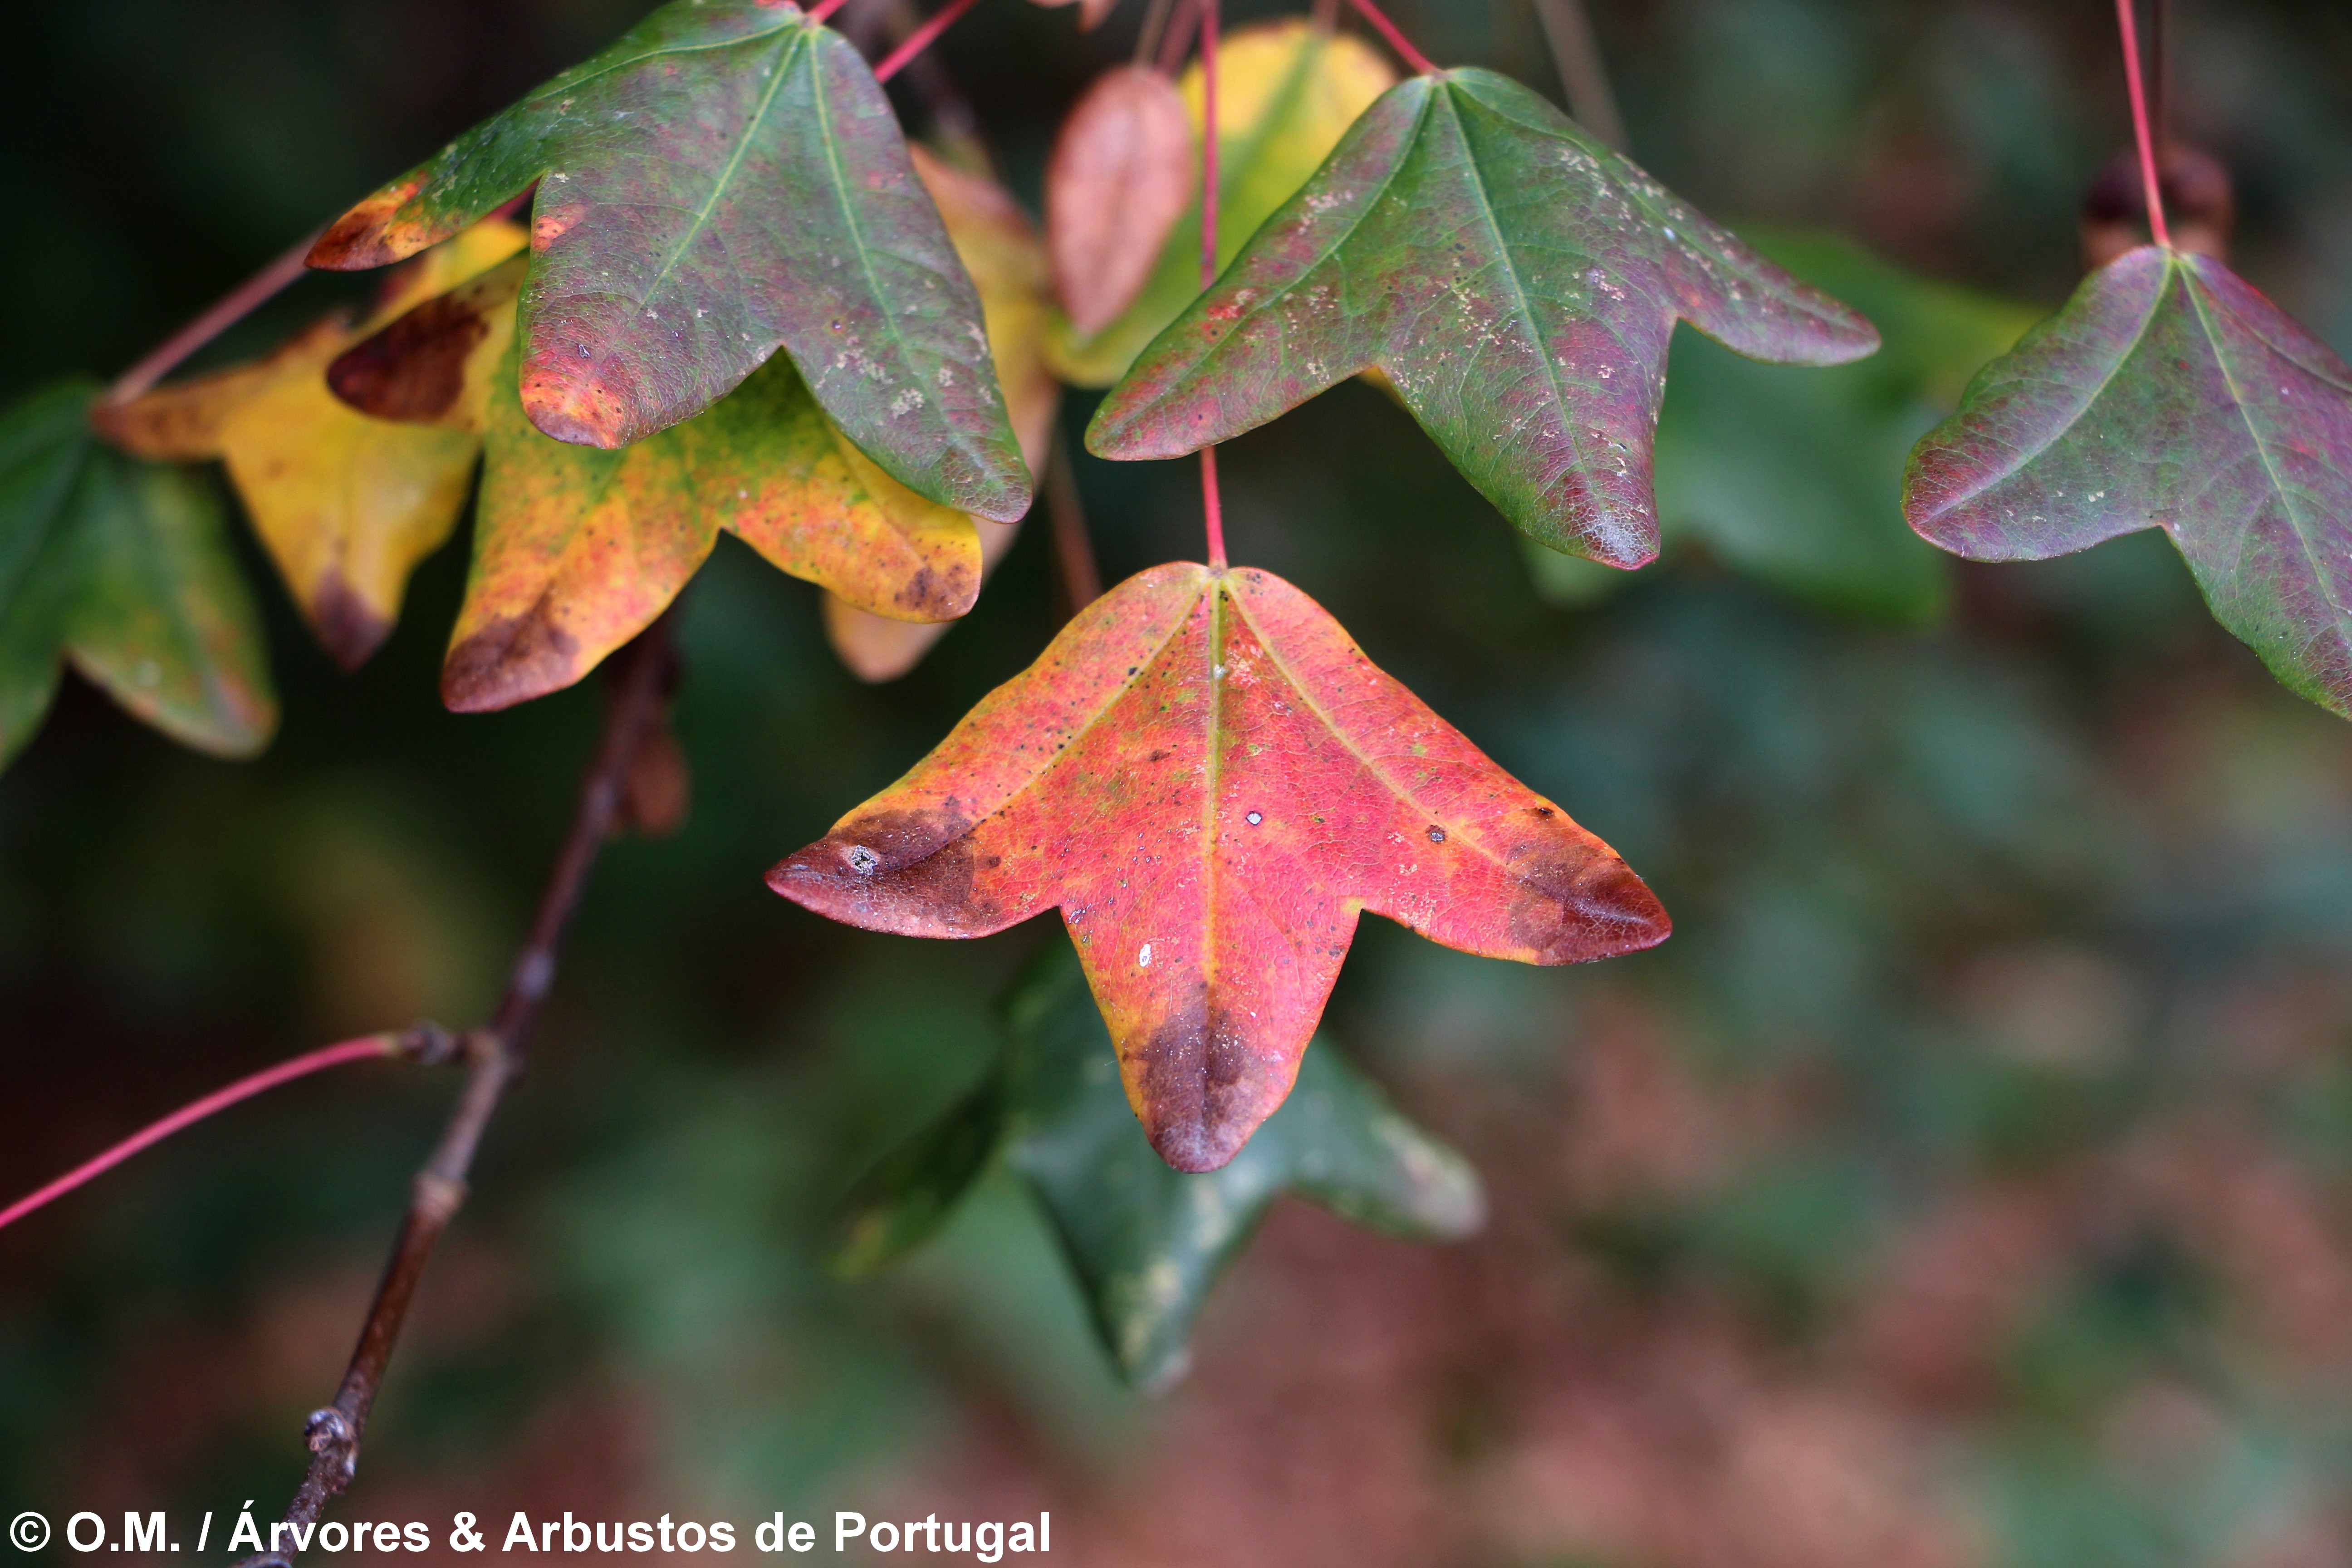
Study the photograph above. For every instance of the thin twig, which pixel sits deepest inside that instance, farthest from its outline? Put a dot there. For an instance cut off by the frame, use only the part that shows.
(1567, 27)
(233, 307)
(494, 1057)
(1074, 550)
(952, 118)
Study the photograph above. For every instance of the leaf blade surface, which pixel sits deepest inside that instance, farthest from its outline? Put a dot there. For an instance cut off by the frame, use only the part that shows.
(2167, 392)
(726, 180)
(1211, 782)
(1515, 279)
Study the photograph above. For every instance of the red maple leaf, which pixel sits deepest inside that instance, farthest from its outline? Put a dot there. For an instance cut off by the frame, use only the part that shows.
(1211, 780)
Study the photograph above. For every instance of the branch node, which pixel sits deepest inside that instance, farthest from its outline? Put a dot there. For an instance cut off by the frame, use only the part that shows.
(330, 1430)
(438, 1198)
(427, 1043)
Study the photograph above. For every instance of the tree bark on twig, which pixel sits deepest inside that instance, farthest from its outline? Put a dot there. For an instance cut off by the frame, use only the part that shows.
(644, 674)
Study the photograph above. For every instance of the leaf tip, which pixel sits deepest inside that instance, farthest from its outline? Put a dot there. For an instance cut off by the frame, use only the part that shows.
(509, 660)
(1201, 1089)
(581, 410)
(349, 626)
(368, 236)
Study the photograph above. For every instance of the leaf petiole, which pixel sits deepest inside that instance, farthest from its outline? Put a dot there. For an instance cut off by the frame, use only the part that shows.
(1212, 506)
(419, 1043)
(1402, 45)
(920, 38)
(2141, 127)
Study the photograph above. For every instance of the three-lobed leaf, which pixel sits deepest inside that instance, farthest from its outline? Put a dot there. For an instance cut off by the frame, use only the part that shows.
(725, 180)
(1148, 1243)
(2169, 393)
(1516, 282)
(576, 550)
(125, 568)
(1211, 782)
(1286, 92)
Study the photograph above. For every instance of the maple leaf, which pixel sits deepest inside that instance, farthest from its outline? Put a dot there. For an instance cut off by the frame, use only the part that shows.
(726, 179)
(1516, 280)
(1120, 179)
(1148, 1243)
(2168, 394)
(124, 569)
(1000, 247)
(1211, 782)
(1286, 92)
(346, 504)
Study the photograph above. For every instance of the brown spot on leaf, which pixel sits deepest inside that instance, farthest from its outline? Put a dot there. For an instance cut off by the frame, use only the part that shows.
(1574, 906)
(1204, 1091)
(509, 660)
(366, 236)
(938, 593)
(581, 406)
(413, 370)
(346, 624)
(892, 870)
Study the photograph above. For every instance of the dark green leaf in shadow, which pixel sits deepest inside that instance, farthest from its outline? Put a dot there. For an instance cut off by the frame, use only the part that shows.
(1148, 1242)
(1795, 477)
(124, 567)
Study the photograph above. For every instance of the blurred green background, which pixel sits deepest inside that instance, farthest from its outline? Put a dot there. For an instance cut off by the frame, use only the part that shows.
(1965, 1184)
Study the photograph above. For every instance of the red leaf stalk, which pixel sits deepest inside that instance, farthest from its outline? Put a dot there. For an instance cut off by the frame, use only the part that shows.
(2129, 23)
(825, 9)
(921, 39)
(197, 1111)
(1212, 506)
(1402, 45)
(231, 308)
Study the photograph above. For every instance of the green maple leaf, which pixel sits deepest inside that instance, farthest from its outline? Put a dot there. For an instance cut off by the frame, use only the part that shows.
(2169, 393)
(1515, 278)
(1148, 1243)
(123, 568)
(726, 179)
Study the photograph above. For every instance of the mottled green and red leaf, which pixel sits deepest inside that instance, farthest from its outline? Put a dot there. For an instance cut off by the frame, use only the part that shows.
(726, 180)
(1516, 282)
(2168, 394)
